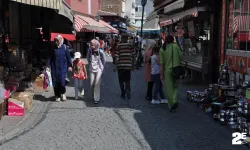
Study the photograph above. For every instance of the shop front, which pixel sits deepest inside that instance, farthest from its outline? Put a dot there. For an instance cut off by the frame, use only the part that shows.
(28, 28)
(193, 26)
(235, 46)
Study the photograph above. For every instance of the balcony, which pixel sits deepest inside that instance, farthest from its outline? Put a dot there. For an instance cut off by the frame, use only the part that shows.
(139, 14)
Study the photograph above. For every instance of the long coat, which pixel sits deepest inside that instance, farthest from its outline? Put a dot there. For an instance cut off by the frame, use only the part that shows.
(59, 61)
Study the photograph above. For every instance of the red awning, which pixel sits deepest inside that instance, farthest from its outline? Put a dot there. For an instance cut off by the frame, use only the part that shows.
(87, 24)
(112, 29)
(79, 25)
(69, 37)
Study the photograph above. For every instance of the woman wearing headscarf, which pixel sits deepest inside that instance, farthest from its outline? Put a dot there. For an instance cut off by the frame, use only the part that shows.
(147, 67)
(96, 61)
(170, 57)
(60, 62)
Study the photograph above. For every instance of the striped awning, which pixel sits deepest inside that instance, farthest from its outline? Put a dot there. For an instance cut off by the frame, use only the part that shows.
(53, 4)
(241, 23)
(87, 24)
(112, 29)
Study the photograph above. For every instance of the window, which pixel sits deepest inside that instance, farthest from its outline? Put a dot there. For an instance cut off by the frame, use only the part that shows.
(136, 9)
(238, 36)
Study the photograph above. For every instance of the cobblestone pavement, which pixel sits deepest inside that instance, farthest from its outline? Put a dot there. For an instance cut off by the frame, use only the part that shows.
(117, 124)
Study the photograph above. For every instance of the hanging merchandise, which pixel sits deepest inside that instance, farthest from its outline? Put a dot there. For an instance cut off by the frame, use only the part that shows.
(48, 77)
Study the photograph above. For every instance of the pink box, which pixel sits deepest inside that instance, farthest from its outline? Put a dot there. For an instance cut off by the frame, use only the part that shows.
(15, 112)
(15, 107)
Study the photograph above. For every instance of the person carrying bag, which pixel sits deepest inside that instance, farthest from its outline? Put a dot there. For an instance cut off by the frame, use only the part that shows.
(171, 71)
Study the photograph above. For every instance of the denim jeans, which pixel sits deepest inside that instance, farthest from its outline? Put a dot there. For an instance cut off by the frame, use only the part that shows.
(78, 86)
(158, 88)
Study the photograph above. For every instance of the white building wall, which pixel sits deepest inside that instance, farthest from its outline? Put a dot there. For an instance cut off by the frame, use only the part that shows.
(123, 8)
(130, 10)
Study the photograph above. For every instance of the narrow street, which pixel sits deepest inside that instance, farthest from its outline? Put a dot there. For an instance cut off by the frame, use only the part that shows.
(117, 124)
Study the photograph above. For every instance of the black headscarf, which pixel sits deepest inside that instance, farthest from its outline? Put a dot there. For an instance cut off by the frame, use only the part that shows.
(168, 40)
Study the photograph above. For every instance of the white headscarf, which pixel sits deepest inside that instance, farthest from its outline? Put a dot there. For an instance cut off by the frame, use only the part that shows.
(150, 44)
(60, 39)
(96, 44)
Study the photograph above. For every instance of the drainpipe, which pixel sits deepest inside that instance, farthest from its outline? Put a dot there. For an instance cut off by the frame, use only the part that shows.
(89, 6)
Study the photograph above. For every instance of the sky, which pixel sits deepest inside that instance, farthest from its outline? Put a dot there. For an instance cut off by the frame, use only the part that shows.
(149, 7)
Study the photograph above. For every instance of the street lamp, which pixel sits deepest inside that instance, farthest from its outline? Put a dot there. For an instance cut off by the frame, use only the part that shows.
(139, 60)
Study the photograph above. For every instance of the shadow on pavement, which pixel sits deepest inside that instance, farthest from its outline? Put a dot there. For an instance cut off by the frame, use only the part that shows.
(188, 128)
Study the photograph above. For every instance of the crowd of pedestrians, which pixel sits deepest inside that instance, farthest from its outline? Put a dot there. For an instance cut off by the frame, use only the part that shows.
(159, 61)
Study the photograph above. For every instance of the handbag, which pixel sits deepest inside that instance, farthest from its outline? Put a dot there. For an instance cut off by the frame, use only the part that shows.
(177, 71)
(101, 65)
(67, 80)
(149, 60)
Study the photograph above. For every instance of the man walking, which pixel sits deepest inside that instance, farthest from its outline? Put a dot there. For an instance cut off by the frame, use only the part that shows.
(125, 61)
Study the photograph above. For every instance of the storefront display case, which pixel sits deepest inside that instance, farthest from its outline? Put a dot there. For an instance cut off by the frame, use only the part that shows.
(193, 36)
(237, 33)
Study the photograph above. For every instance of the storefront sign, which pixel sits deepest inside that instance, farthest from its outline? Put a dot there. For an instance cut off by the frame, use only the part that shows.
(223, 23)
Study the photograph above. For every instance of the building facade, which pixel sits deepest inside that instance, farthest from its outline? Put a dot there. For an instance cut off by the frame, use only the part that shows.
(87, 7)
(133, 11)
(114, 6)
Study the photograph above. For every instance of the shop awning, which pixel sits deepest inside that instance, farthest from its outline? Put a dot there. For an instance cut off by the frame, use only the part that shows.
(112, 29)
(178, 16)
(69, 37)
(87, 24)
(66, 12)
(152, 24)
(174, 6)
(53, 4)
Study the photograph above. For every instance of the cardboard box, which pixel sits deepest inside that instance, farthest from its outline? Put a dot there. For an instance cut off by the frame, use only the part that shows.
(25, 97)
(15, 107)
(38, 85)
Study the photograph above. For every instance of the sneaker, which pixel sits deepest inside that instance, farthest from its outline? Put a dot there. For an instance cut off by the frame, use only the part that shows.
(64, 98)
(174, 107)
(164, 101)
(155, 102)
(82, 93)
(58, 99)
(96, 102)
(123, 95)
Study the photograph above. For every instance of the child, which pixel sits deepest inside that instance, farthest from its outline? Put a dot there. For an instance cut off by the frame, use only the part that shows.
(80, 74)
(156, 77)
